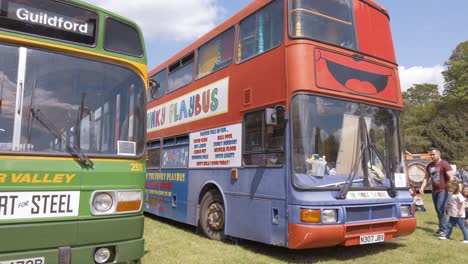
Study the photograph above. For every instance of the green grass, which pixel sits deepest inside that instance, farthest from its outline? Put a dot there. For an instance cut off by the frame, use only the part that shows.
(171, 242)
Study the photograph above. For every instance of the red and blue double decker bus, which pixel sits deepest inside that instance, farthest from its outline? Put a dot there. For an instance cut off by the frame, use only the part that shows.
(281, 125)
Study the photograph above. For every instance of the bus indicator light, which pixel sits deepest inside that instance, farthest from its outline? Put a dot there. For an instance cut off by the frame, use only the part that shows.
(129, 201)
(310, 215)
(234, 175)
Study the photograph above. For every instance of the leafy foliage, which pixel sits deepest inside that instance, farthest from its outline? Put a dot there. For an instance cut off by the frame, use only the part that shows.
(456, 75)
(422, 94)
(432, 120)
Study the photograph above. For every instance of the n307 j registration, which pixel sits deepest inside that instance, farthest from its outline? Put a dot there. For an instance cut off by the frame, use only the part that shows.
(22, 205)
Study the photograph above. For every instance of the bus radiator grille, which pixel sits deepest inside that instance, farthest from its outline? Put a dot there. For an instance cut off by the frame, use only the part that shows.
(370, 213)
(383, 227)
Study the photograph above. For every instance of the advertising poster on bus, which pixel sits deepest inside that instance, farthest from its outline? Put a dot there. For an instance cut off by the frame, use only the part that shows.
(217, 147)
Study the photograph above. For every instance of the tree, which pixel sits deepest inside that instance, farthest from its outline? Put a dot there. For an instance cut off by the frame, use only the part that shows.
(422, 94)
(456, 75)
(420, 107)
(448, 132)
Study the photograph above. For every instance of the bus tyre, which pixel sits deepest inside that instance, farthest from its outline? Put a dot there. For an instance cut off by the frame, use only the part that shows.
(212, 215)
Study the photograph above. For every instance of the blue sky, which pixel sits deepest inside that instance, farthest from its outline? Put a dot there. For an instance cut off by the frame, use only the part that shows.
(425, 32)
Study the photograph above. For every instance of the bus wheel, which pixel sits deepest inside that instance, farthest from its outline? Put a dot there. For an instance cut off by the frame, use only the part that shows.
(212, 215)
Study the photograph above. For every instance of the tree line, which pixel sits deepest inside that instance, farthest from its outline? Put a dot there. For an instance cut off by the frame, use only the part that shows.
(430, 119)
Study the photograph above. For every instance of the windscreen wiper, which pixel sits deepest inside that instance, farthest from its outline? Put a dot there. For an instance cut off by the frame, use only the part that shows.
(391, 191)
(71, 147)
(349, 181)
(363, 157)
(371, 147)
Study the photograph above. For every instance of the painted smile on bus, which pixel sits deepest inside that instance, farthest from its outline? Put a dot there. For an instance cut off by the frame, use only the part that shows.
(362, 81)
(345, 73)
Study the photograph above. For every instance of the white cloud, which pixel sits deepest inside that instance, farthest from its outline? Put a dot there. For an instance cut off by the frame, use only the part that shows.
(421, 75)
(178, 20)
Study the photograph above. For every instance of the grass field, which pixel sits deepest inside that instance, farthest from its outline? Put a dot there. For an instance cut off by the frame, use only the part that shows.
(170, 242)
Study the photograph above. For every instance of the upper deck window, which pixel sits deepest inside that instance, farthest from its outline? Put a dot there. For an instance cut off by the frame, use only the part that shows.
(51, 19)
(329, 21)
(216, 54)
(180, 73)
(261, 31)
(122, 38)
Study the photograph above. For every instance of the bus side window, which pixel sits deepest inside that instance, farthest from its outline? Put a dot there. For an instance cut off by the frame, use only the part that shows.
(154, 155)
(175, 152)
(264, 143)
(261, 31)
(180, 73)
(216, 54)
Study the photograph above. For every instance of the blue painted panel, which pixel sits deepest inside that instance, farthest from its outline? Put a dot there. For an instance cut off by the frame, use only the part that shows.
(166, 193)
(256, 205)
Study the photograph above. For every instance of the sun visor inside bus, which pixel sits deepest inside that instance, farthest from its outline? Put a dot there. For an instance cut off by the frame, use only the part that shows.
(355, 75)
(51, 19)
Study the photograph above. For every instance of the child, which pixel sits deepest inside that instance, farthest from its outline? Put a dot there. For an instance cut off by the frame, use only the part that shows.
(456, 211)
(465, 194)
(417, 200)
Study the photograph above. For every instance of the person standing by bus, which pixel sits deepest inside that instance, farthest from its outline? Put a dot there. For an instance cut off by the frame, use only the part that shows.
(440, 172)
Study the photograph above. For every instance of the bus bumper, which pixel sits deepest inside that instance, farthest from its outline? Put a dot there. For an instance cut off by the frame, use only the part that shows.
(306, 236)
(72, 241)
(126, 251)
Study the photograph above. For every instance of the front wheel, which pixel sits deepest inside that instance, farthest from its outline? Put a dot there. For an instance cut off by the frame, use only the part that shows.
(212, 215)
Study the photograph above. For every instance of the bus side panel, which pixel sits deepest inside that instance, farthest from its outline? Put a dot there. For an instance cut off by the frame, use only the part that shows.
(166, 193)
(260, 194)
(200, 178)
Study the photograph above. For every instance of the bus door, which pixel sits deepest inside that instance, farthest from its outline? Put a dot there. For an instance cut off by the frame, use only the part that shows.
(261, 185)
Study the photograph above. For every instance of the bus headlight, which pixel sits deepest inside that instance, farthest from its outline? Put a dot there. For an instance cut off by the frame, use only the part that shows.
(102, 202)
(405, 210)
(116, 202)
(330, 216)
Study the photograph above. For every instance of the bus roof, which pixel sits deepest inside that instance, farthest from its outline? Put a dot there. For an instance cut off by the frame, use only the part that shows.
(250, 8)
(236, 18)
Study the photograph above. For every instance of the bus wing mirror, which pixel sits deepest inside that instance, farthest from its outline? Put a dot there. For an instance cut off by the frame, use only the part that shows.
(270, 116)
(154, 88)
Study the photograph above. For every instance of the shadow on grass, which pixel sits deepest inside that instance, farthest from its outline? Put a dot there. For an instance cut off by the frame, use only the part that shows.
(427, 229)
(172, 223)
(339, 253)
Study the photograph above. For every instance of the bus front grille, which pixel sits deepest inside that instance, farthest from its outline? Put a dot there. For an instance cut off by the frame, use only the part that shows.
(370, 213)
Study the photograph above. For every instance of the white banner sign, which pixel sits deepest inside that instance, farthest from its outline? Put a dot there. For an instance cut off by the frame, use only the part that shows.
(217, 147)
(205, 102)
(23, 205)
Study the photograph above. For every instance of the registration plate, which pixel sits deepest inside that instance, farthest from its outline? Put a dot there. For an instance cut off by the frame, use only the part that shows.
(24, 261)
(24, 205)
(369, 239)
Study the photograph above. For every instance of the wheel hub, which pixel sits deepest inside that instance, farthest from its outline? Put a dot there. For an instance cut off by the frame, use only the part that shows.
(215, 216)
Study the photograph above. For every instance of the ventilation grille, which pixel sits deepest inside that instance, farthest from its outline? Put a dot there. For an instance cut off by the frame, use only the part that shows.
(247, 96)
(126, 148)
(371, 213)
